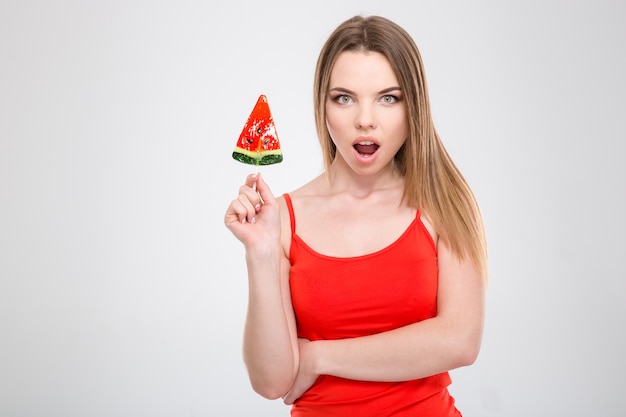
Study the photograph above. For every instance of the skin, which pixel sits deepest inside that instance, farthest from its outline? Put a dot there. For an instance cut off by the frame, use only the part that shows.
(358, 212)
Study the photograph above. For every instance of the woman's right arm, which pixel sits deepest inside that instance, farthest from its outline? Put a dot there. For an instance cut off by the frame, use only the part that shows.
(270, 346)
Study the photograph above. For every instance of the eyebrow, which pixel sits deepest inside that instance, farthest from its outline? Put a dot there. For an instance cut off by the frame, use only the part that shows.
(347, 91)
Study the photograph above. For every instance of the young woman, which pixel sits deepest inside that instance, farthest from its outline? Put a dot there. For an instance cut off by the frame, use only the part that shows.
(366, 285)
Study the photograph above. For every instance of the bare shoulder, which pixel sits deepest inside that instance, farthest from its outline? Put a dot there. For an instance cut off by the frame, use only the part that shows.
(300, 197)
(308, 194)
(312, 188)
(425, 219)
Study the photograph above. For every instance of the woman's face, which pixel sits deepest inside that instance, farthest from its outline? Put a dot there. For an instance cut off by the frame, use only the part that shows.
(365, 113)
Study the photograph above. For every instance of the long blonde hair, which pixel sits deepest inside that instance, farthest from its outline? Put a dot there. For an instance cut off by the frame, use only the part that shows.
(433, 183)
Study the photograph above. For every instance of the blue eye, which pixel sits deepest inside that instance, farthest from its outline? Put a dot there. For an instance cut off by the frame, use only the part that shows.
(388, 99)
(342, 99)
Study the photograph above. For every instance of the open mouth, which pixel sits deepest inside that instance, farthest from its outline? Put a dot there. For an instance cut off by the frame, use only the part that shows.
(366, 148)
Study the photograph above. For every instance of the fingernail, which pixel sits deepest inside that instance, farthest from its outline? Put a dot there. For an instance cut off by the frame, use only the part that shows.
(253, 221)
(257, 208)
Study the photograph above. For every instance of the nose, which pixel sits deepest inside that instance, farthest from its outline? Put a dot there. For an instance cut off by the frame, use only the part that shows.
(365, 117)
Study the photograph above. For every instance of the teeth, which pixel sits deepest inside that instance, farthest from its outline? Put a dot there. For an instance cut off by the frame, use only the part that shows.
(367, 142)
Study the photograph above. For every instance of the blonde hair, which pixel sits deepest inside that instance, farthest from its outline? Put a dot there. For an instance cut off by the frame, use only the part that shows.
(433, 183)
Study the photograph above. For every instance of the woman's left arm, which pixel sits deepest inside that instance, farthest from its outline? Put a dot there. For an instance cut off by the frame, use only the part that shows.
(447, 341)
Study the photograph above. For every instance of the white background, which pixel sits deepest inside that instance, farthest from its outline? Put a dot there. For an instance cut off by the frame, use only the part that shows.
(123, 294)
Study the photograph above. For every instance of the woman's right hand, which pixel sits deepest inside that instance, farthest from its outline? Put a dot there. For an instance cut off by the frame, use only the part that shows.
(253, 217)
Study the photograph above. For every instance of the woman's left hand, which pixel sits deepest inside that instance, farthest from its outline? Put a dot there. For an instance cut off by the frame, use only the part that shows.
(306, 376)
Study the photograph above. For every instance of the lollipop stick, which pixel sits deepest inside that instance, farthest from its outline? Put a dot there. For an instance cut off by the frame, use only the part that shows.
(256, 172)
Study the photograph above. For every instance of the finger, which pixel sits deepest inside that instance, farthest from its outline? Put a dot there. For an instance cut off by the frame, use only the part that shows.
(236, 212)
(287, 400)
(246, 208)
(251, 195)
(251, 180)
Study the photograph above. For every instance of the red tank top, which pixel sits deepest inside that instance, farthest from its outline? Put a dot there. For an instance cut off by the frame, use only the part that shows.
(336, 298)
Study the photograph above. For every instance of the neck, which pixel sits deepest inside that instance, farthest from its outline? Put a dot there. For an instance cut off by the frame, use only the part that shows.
(342, 179)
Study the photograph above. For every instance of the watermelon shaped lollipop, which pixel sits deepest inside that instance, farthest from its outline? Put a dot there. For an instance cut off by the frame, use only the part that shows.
(258, 143)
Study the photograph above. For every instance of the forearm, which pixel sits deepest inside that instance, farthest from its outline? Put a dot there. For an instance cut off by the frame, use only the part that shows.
(415, 351)
(269, 351)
